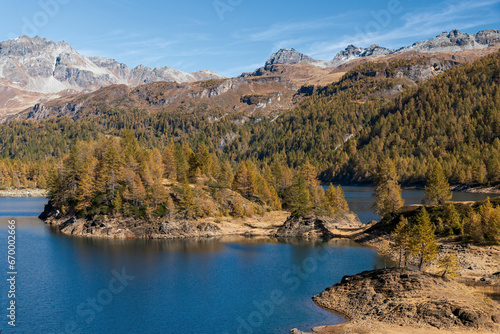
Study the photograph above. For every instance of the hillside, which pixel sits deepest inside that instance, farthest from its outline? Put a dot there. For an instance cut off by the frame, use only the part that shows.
(348, 127)
(37, 70)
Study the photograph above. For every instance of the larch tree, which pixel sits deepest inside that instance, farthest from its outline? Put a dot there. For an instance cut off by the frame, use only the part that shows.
(437, 190)
(424, 241)
(388, 191)
(401, 241)
(169, 162)
(299, 196)
(226, 174)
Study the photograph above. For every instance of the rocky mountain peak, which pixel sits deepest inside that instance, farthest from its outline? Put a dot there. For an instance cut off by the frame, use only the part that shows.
(288, 57)
(353, 52)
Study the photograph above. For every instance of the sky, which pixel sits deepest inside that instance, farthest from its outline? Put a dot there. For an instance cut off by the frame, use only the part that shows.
(235, 36)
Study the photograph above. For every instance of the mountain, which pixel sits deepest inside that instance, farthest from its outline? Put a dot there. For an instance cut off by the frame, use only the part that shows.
(453, 41)
(456, 41)
(42, 66)
(292, 57)
(353, 52)
(348, 127)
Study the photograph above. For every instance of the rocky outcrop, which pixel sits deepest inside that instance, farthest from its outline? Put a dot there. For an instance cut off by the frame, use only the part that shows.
(313, 227)
(129, 228)
(410, 298)
(39, 65)
(353, 52)
(292, 57)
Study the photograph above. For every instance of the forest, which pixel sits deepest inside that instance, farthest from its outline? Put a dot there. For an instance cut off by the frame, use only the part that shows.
(116, 176)
(344, 130)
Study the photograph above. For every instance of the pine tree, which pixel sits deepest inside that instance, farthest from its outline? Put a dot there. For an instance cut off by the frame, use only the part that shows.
(85, 191)
(182, 166)
(117, 203)
(336, 200)
(388, 191)
(109, 171)
(453, 220)
(437, 190)
(158, 193)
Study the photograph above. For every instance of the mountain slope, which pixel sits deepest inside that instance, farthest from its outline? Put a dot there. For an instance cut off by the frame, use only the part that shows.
(346, 129)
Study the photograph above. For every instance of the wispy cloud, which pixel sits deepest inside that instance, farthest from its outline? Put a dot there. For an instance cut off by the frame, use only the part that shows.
(292, 29)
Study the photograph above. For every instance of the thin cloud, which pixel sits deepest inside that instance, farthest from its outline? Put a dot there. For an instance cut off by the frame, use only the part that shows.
(416, 24)
(287, 29)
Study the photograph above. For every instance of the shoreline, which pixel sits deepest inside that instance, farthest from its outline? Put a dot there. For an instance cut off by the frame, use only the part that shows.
(43, 193)
(28, 192)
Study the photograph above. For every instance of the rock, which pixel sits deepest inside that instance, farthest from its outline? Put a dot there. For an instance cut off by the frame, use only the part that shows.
(353, 52)
(313, 227)
(297, 331)
(412, 298)
(292, 57)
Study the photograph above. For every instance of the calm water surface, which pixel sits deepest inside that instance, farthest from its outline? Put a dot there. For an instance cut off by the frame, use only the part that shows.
(70, 285)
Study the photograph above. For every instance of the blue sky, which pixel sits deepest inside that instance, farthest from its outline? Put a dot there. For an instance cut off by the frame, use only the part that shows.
(235, 36)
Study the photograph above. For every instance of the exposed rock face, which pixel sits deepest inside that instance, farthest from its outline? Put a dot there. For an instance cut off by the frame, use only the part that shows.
(456, 41)
(409, 298)
(39, 65)
(292, 57)
(312, 227)
(129, 228)
(353, 52)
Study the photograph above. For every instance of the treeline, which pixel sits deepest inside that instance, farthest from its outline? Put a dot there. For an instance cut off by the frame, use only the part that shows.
(116, 176)
(19, 174)
(417, 228)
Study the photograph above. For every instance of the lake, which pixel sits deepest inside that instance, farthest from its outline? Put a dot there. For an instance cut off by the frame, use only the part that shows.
(231, 285)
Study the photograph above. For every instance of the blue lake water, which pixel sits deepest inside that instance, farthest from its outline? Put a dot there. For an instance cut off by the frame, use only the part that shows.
(237, 285)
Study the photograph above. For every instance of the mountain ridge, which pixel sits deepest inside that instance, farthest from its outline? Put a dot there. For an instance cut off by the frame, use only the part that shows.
(447, 41)
(39, 65)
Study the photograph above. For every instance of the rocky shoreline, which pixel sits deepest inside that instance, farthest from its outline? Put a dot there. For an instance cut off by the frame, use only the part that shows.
(274, 224)
(388, 300)
(41, 193)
